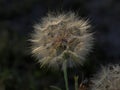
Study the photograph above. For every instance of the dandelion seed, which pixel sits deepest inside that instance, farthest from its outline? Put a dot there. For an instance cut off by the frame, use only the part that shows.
(61, 37)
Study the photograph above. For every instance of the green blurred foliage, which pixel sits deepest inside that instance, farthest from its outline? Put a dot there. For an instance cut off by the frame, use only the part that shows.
(18, 70)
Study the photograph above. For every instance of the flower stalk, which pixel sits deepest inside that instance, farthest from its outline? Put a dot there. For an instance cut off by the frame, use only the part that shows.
(76, 82)
(65, 74)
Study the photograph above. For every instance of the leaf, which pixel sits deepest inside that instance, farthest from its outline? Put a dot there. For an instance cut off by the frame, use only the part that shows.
(55, 87)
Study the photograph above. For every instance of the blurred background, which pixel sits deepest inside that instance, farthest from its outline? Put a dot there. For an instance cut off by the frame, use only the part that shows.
(20, 71)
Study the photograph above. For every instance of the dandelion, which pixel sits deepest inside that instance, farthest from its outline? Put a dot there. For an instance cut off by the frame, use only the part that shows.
(61, 37)
(107, 79)
(61, 41)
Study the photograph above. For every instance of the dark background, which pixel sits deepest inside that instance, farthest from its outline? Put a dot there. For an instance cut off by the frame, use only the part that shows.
(19, 71)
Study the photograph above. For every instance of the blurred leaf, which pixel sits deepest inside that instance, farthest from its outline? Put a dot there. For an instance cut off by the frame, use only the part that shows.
(55, 88)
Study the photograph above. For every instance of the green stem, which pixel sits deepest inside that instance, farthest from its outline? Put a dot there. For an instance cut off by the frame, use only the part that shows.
(76, 82)
(65, 74)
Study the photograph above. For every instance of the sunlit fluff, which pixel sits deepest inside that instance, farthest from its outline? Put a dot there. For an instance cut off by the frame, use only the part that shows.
(107, 79)
(61, 37)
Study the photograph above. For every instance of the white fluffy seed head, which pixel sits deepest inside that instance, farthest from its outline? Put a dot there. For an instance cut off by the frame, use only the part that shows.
(107, 79)
(61, 37)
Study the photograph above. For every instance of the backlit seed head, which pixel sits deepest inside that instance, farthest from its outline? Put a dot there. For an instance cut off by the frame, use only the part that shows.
(61, 37)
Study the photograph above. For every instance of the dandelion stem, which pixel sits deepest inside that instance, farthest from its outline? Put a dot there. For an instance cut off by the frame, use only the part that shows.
(76, 82)
(65, 74)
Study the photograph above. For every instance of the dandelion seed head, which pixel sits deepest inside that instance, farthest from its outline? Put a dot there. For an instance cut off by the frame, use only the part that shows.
(107, 79)
(59, 37)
